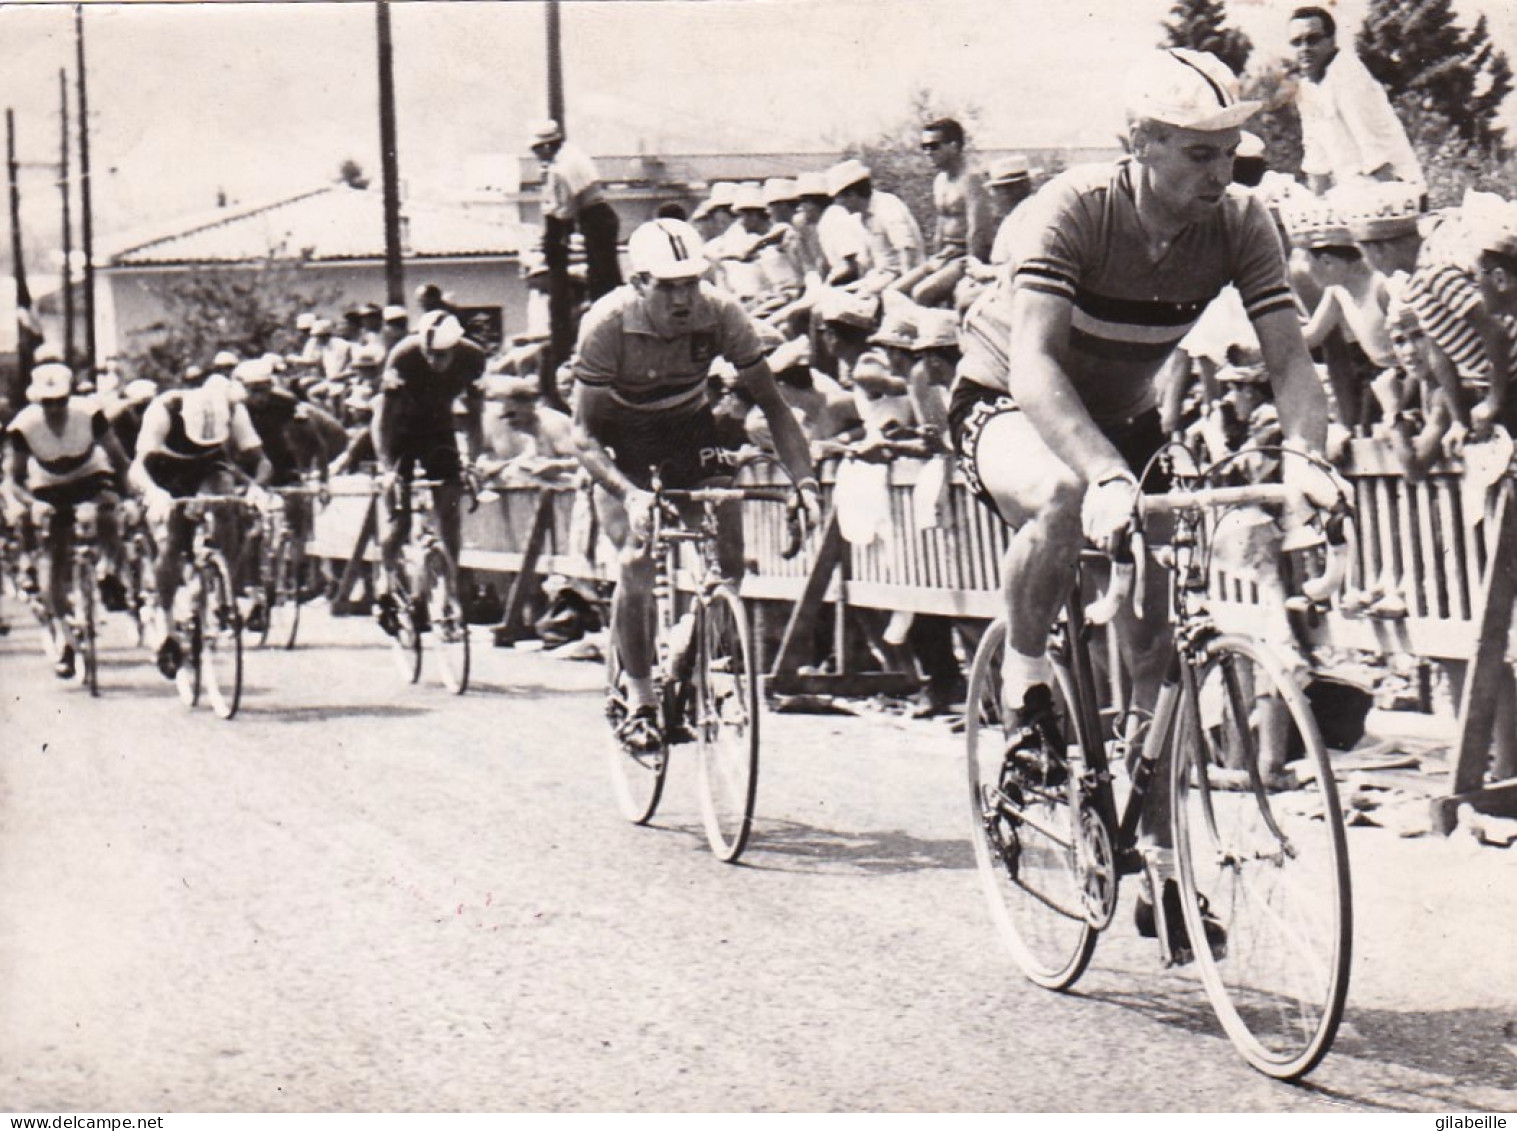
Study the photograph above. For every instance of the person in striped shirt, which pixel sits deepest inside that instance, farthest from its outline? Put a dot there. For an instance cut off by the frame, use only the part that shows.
(1054, 404)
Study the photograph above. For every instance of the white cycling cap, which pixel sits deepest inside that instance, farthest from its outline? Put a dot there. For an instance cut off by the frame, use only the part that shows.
(50, 381)
(1190, 89)
(439, 330)
(667, 249)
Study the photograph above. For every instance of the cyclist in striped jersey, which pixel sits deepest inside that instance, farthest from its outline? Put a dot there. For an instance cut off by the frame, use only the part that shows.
(1054, 404)
(644, 354)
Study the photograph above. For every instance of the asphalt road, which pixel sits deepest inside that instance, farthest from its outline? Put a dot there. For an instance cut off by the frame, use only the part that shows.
(362, 895)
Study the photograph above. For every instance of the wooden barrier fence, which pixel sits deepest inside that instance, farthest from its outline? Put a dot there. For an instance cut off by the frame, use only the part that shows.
(1455, 568)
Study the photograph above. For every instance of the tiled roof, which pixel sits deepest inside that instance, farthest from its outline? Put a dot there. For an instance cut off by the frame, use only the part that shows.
(333, 222)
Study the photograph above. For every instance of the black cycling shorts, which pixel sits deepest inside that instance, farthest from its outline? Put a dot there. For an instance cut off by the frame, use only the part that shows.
(436, 455)
(971, 406)
(687, 452)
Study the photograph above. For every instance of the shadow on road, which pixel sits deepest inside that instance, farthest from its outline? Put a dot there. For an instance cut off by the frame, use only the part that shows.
(325, 713)
(871, 853)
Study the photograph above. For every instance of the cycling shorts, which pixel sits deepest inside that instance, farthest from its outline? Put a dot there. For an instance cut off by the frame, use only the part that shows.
(64, 497)
(182, 478)
(971, 406)
(687, 452)
(436, 455)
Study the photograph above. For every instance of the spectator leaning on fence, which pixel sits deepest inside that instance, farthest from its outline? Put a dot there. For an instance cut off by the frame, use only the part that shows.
(1348, 128)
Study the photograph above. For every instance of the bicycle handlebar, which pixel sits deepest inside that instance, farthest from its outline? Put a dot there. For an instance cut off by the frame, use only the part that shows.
(1128, 569)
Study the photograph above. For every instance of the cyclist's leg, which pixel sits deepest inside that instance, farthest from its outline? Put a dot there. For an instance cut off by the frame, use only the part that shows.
(1038, 495)
(392, 528)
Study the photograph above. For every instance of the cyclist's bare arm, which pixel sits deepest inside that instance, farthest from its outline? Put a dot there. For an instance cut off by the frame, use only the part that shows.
(382, 427)
(1040, 329)
(120, 461)
(591, 401)
(789, 441)
(1298, 391)
(16, 455)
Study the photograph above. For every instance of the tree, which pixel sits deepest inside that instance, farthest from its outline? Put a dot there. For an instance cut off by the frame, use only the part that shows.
(249, 309)
(1426, 60)
(351, 173)
(1201, 25)
(895, 159)
(1277, 124)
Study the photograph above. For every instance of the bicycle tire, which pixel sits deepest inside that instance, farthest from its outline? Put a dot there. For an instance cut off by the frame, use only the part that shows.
(447, 630)
(1266, 856)
(86, 606)
(141, 586)
(726, 723)
(221, 638)
(1027, 875)
(638, 779)
(405, 641)
(281, 596)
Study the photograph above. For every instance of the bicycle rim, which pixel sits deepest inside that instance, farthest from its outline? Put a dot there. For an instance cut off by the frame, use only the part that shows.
(447, 627)
(1023, 840)
(86, 610)
(1267, 854)
(221, 641)
(637, 778)
(726, 721)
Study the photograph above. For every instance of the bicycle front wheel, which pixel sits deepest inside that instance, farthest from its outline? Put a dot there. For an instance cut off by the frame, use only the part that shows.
(1262, 855)
(448, 628)
(1024, 832)
(189, 626)
(637, 777)
(726, 722)
(86, 608)
(221, 639)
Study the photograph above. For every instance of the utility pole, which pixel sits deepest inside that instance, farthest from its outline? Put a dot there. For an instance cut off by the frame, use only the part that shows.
(395, 277)
(555, 235)
(68, 227)
(26, 326)
(86, 214)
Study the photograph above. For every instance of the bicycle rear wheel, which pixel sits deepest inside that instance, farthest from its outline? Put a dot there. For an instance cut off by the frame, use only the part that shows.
(281, 596)
(86, 610)
(1024, 837)
(221, 639)
(1262, 852)
(726, 721)
(446, 624)
(638, 778)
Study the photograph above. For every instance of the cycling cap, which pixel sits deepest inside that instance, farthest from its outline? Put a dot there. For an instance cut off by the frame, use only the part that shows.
(439, 330)
(667, 249)
(51, 381)
(1190, 89)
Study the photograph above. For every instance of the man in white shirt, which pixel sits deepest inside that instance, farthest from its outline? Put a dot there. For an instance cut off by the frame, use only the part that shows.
(1348, 128)
(572, 199)
(894, 237)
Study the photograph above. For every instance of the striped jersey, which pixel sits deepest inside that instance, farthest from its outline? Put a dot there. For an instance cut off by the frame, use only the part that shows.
(1080, 239)
(653, 375)
(1444, 297)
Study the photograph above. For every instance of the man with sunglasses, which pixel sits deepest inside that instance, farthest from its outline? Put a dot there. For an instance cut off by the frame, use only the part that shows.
(644, 353)
(1348, 128)
(964, 226)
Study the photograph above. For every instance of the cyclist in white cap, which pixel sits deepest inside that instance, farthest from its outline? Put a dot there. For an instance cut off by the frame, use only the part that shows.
(644, 354)
(190, 441)
(60, 454)
(413, 424)
(1054, 404)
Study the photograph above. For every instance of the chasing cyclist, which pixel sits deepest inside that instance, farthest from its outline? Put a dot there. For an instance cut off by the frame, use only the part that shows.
(1054, 405)
(194, 440)
(62, 454)
(640, 373)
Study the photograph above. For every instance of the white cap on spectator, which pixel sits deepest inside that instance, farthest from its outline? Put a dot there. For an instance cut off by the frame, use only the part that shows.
(1012, 170)
(748, 198)
(225, 359)
(544, 132)
(936, 329)
(321, 326)
(140, 391)
(258, 371)
(811, 184)
(51, 381)
(778, 190)
(303, 320)
(395, 314)
(722, 195)
(1190, 89)
(845, 174)
(790, 354)
(845, 308)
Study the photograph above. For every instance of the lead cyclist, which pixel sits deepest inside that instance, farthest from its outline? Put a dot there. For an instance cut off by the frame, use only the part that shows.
(1054, 405)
